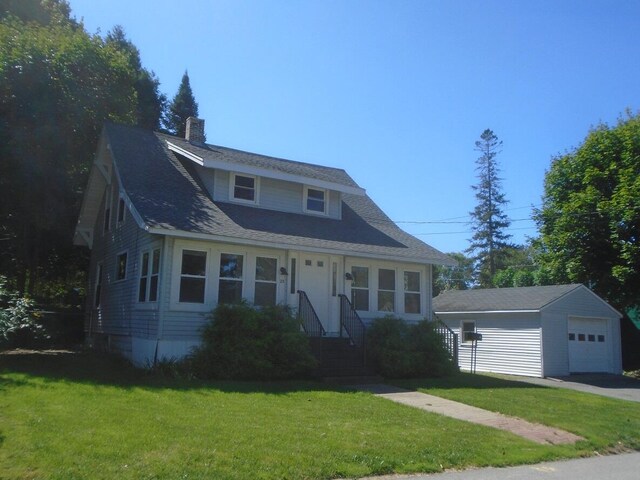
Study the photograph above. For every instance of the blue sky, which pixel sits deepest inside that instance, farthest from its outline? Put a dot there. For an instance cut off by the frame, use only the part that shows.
(397, 92)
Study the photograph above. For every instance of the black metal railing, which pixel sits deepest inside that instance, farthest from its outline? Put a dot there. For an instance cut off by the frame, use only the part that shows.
(448, 336)
(308, 317)
(351, 322)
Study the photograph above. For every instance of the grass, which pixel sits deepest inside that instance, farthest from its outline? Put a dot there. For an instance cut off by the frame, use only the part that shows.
(81, 415)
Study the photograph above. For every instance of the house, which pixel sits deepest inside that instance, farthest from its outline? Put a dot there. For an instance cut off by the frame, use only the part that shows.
(535, 331)
(176, 226)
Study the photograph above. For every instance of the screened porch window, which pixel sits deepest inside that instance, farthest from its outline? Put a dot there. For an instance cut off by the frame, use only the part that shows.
(360, 288)
(193, 276)
(386, 290)
(412, 292)
(230, 283)
(266, 286)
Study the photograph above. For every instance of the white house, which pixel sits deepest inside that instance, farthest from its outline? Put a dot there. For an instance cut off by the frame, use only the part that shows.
(176, 226)
(534, 331)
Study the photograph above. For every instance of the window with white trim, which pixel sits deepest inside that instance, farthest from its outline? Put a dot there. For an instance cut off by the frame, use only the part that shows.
(149, 276)
(412, 300)
(467, 329)
(386, 290)
(193, 276)
(121, 266)
(244, 188)
(266, 281)
(230, 278)
(360, 288)
(315, 200)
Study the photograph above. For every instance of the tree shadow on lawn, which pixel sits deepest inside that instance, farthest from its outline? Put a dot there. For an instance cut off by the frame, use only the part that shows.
(104, 369)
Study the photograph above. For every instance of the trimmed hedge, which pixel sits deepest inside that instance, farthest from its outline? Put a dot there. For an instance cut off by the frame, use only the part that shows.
(244, 343)
(397, 349)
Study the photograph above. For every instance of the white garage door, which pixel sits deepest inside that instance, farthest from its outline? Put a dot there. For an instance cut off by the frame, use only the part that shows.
(589, 345)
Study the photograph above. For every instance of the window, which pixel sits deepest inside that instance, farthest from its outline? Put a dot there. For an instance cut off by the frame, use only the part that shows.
(572, 337)
(266, 286)
(193, 276)
(386, 290)
(293, 276)
(98, 291)
(591, 338)
(230, 284)
(581, 337)
(121, 266)
(149, 273)
(360, 288)
(244, 188)
(107, 209)
(315, 200)
(412, 292)
(468, 328)
(121, 210)
(600, 338)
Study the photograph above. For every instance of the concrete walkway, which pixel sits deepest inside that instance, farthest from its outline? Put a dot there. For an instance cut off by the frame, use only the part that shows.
(531, 431)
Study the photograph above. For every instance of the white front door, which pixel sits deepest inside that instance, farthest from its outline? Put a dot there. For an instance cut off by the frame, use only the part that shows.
(315, 281)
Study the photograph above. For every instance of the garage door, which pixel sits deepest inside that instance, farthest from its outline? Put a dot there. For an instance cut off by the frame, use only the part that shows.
(589, 345)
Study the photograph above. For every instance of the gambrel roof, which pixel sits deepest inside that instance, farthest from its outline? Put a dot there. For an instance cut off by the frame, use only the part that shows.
(157, 173)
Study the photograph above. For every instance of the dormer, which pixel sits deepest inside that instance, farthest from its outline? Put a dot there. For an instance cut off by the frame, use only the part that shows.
(260, 181)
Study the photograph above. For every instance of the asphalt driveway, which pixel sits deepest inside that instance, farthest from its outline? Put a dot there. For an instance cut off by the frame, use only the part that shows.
(614, 386)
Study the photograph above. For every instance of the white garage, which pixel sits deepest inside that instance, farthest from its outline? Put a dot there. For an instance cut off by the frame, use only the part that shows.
(536, 331)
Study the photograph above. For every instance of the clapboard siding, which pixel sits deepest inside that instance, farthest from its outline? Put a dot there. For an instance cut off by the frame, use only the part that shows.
(510, 343)
(273, 194)
(118, 314)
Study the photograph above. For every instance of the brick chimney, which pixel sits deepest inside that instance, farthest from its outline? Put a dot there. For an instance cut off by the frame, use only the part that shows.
(195, 130)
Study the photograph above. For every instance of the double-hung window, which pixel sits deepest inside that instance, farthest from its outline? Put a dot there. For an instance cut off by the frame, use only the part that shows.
(193, 276)
(244, 188)
(386, 290)
(467, 330)
(121, 211)
(412, 299)
(149, 275)
(266, 281)
(121, 266)
(360, 288)
(230, 278)
(315, 200)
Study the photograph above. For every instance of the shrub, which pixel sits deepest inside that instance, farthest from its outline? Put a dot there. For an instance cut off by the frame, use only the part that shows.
(19, 325)
(244, 343)
(397, 349)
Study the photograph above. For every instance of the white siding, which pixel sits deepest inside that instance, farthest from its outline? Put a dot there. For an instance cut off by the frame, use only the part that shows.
(273, 194)
(510, 342)
(554, 344)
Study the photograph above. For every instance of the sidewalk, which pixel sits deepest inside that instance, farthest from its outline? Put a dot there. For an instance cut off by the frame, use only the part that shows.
(531, 431)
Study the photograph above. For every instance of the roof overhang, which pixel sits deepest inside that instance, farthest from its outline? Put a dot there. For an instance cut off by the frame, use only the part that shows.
(264, 172)
(478, 312)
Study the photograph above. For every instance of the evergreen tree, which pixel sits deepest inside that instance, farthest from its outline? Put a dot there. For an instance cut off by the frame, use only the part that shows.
(182, 106)
(488, 220)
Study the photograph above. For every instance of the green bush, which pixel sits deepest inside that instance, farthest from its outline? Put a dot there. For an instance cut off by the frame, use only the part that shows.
(19, 325)
(397, 349)
(244, 343)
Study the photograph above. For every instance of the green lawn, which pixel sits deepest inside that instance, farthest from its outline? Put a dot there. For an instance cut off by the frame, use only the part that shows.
(91, 416)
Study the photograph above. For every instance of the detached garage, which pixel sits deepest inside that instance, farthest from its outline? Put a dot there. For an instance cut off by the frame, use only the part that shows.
(535, 331)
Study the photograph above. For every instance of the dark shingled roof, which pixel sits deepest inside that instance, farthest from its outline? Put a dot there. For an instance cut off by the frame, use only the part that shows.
(500, 299)
(168, 194)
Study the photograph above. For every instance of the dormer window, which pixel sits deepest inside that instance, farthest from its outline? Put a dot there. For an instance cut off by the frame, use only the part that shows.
(244, 188)
(315, 200)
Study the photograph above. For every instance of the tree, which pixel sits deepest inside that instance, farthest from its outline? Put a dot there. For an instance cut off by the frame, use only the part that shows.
(151, 103)
(57, 86)
(459, 277)
(590, 215)
(488, 220)
(182, 106)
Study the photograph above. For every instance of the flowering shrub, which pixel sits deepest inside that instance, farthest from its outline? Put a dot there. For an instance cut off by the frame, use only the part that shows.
(19, 325)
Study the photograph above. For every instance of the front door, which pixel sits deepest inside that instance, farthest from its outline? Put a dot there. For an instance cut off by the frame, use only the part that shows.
(315, 281)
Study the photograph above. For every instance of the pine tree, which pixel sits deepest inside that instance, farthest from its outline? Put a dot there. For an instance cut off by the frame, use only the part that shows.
(182, 106)
(488, 220)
